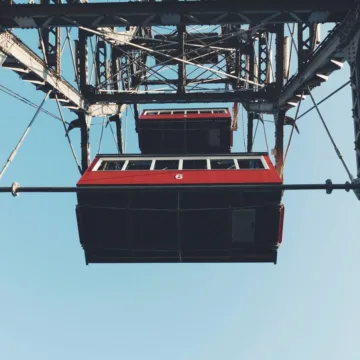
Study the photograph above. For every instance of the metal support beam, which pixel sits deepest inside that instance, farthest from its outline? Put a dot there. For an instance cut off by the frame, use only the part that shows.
(279, 57)
(85, 121)
(353, 57)
(102, 69)
(82, 60)
(251, 66)
(114, 69)
(165, 13)
(306, 43)
(51, 39)
(136, 116)
(328, 186)
(250, 131)
(164, 98)
(263, 57)
(230, 59)
(328, 57)
(23, 60)
(331, 48)
(188, 81)
(279, 142)
(181, 66)
(280, 114)
(169, 42)
(237, 70)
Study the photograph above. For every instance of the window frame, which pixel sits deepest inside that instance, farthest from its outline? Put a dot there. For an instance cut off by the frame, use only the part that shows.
(224, 158)
(101, 160)
(195, 111)
(165, 159)
(138, 159)
(181, 160)
(261, 158)
(195, 158)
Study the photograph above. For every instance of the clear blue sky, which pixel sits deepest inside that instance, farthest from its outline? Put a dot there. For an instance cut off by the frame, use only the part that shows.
(53, 307)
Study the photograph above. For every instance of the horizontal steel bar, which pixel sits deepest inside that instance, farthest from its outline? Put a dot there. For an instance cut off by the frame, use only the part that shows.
(165, 13)
(328, 186)
(193, 44)
(188, 81)
(126, 98)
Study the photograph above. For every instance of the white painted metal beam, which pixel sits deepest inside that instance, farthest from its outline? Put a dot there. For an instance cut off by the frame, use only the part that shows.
(13, 47)
(335, 45)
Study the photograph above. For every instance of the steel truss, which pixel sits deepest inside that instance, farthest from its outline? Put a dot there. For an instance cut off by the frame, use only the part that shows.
(122, 57)
(164, 13)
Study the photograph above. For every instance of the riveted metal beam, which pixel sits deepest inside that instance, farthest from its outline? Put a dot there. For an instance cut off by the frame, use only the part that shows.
(165, 13)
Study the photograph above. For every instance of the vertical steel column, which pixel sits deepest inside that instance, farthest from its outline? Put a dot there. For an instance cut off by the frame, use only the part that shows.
(181, 65)
(51, 38)
(102, 69)
(263, 57)
(114, 84)
(280, 114)
(251, 115)
(353, 58)
(85, 120)
(306, 43)
(82, 59)
(250, 131)
(114, 69)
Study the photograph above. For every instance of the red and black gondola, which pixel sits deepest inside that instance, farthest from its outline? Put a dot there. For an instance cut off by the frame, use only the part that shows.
(192, 131)
(172, 209)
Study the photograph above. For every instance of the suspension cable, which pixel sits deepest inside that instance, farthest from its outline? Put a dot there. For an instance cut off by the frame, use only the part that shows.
(266, 140)
(101, 134)
(330, 137)
(292, 130)
(67, 134)
(23, 99)
(253, 140)
(13, 153)
(326, 98)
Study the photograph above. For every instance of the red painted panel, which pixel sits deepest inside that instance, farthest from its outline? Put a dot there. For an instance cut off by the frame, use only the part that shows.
(169, 177)
(178, 177)
(174, 177)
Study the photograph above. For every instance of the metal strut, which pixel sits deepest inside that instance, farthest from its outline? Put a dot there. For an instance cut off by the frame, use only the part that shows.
(330, 137)
(324, 99)
(67, 134)
(14, 152)
(328, 186)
